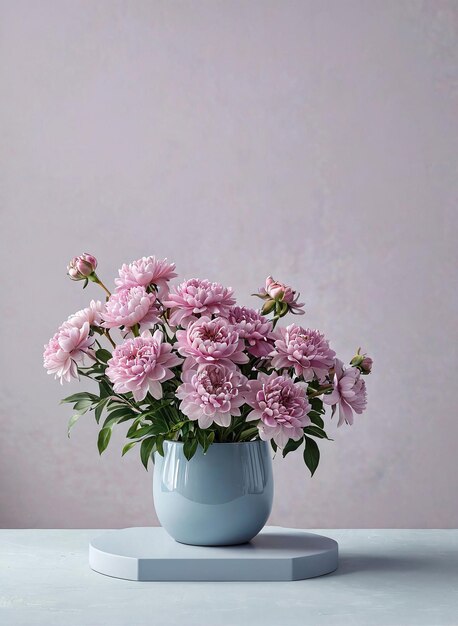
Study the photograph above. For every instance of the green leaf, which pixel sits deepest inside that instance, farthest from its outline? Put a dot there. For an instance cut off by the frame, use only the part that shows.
(311, 454)
(133, 428)
(103, 355)
(268, 307)
(119, 415)
(152, 412)
(315, 431)
(177, 426)
(72, 421)
(76, 397)
(317, 405)
(140, 432)
(201, 437)
(316, 419)
(206, 439)
(99, 408)
(110, 422)
(159, 427)
(104, 439)
(127, 417)
(160, 444)
(249, 433)
(145, 450)
(128, 446)
(291, 446)
(105, 389)
(115, 405)
(274, 445)
(83, 405)
(189, 448)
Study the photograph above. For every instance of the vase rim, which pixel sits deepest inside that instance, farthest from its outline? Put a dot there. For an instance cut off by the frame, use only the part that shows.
(220, 443)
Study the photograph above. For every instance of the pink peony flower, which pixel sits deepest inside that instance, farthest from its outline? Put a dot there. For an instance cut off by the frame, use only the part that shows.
(140, 365)
(80, 267)
(281, 405)
(91, 314)
(144, 272)
(276, 293)
(66, 349)
(304, 349)
(349, 392)
(129, 307)
(255, 329)
(198, 297)
(211, 341)
(212, 394)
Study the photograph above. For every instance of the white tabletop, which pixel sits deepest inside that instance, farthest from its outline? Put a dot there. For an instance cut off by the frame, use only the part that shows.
(385, 577)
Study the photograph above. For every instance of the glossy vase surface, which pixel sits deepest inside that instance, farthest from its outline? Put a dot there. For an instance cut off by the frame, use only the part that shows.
(223, 497)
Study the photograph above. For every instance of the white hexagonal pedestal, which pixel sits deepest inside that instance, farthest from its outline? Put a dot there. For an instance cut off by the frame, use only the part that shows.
(151, 554)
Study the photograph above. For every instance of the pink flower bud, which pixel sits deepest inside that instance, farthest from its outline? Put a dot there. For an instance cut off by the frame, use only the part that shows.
(362, 362)
(280, 297)
(275, 289)
(81, 267)
(366, 365)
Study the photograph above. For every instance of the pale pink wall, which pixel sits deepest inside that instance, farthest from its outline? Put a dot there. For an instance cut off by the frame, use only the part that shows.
(313, 140)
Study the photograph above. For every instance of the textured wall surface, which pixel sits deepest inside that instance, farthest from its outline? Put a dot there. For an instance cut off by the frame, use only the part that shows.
(313, 140)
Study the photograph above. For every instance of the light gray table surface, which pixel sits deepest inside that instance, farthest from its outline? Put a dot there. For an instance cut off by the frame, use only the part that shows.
(385, 577)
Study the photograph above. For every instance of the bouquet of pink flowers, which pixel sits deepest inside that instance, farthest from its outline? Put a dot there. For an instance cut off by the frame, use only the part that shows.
(187, 364)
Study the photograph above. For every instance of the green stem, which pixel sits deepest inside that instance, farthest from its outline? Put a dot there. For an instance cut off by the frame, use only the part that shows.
(108, 336)
(96, 279)
(320, 391)
(221, 431)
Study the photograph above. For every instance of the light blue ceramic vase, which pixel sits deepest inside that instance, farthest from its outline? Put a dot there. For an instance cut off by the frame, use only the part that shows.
(220, 498)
